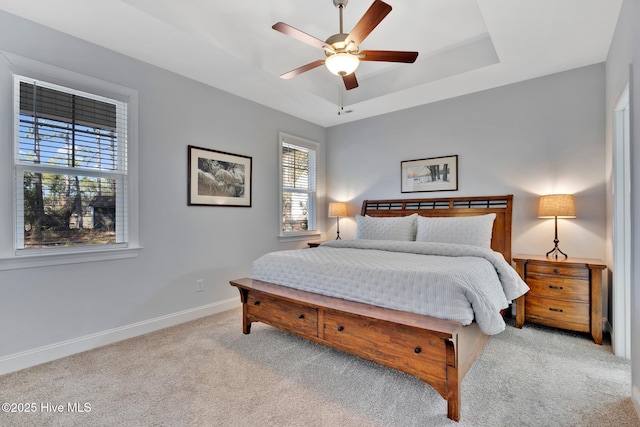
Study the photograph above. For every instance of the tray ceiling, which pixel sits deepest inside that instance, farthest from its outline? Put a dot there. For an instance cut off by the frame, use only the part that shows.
(465, 45)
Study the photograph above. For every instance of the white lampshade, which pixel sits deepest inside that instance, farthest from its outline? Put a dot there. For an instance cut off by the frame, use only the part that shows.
(338, 209)
(342, 64)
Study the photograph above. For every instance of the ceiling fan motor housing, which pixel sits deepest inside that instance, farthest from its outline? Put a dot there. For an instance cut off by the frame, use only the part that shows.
(337, 42)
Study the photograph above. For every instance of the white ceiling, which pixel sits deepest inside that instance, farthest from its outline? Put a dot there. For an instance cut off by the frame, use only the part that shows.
(465, 45)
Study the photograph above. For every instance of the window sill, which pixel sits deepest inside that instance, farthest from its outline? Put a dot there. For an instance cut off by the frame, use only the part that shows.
(299, 236)
(44, 260)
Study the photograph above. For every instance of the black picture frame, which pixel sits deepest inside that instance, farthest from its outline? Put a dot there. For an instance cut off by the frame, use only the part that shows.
(218, 178)
(431, 174)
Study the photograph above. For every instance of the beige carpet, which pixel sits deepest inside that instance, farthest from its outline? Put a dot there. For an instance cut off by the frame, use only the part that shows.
(207, 373)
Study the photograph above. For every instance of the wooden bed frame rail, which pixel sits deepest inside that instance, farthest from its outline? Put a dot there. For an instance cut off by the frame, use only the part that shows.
(440, 352)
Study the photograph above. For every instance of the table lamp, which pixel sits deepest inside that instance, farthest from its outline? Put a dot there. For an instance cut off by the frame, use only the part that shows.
(337, 209)
(554, 206)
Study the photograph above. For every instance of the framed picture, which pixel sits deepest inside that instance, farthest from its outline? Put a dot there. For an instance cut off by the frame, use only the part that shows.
(217, 178)
(433, 174)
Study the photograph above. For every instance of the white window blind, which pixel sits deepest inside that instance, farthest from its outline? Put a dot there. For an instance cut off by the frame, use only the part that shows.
(298, 177)
(71, 167)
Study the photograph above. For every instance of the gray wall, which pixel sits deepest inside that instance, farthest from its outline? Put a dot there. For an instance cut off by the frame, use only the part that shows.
(536, 137)
(625, 52)
(47, 305)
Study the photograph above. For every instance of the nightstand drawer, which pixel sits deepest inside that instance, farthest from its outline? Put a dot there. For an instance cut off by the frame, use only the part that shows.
(556, 270)
(560, 314)
(558, 288)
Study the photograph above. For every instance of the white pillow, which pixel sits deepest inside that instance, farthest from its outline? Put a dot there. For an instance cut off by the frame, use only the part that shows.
(387, 228)
(464, 230)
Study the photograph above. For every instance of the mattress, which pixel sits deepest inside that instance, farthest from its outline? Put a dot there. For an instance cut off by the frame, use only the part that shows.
(456, 282)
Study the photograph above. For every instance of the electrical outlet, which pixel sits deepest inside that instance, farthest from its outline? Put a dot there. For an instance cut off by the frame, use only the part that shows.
(199, 285)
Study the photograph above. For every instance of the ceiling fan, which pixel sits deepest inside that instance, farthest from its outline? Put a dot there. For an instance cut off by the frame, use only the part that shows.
(343, 50)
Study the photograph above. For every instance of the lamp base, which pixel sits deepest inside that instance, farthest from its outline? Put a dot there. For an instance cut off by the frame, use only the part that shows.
(555, 253)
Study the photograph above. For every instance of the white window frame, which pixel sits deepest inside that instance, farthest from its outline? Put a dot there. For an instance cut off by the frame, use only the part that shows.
(10, 256)
(313, 201)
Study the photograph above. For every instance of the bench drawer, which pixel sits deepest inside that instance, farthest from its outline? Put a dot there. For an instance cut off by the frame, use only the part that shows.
(295, 318)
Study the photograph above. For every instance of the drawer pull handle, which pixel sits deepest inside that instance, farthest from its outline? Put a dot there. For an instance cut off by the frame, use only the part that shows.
(256, 303)
(559, 310)
(300, 316)
(417, 350)
(555, 270)
(340, 328)
(555, 287)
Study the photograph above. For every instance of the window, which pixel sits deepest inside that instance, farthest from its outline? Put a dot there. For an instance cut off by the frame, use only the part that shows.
(298, 184)
(71, 168)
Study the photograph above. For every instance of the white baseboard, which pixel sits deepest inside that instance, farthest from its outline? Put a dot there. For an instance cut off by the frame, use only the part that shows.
(635, 397)
(25, 359)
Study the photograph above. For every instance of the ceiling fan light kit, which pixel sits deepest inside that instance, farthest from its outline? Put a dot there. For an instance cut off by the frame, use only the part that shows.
(343, 50)
(342, 64)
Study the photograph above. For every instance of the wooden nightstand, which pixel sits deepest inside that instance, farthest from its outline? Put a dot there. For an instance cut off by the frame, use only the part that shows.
(314, 244)
(565, 293)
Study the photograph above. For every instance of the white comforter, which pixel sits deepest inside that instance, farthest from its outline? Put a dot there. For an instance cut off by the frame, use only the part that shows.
(447, 281)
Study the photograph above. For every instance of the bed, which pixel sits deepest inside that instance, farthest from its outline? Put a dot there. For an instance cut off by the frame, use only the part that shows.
(438, 351)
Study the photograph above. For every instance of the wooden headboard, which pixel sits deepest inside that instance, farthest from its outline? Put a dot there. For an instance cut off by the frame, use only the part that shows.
(453, 206)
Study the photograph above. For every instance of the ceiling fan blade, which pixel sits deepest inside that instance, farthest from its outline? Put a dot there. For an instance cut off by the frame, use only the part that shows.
(370, 20)
(300, 35)
(350, 81)
(300, 70)
(387, 56)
